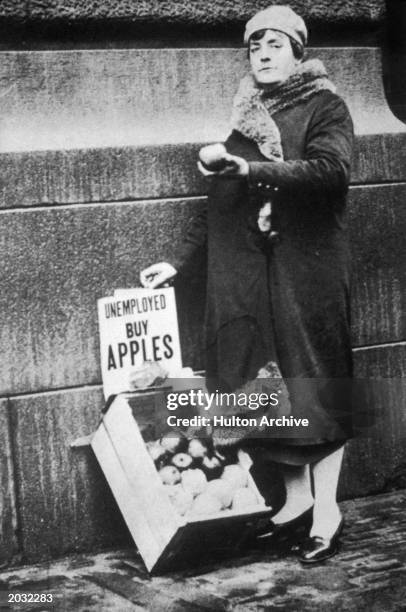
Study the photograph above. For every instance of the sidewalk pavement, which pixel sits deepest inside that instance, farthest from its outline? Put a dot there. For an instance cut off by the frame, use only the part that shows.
(369, 574)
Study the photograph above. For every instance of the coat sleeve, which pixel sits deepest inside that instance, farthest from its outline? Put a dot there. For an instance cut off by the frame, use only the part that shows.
(325, 168)
(194, 244)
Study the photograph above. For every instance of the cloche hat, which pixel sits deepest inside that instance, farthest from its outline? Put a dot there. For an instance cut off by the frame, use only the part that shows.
(280, 18)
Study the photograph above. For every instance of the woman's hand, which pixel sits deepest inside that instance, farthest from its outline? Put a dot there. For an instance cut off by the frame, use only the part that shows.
(157, 275)
(236, 166)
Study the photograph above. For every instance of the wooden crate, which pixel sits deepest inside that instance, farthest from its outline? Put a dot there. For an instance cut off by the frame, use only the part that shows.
(165, 539)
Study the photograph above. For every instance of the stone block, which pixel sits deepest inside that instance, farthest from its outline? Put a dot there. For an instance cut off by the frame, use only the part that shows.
(99, 175)
(64, 503)
(375, 462)
(8, 513)
(57, 262)
(377, 223)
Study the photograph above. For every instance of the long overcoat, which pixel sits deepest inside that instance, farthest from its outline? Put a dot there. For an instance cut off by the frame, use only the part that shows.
(286, 296)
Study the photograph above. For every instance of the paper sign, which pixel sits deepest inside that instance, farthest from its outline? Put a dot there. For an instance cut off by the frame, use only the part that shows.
(137, 325)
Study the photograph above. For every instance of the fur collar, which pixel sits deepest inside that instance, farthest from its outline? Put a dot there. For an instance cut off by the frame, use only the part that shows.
(253, 107)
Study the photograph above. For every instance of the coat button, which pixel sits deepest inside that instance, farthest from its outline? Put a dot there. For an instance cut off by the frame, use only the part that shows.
(274, 237)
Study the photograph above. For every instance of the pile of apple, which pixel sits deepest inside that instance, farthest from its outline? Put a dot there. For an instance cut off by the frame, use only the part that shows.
(199, 480)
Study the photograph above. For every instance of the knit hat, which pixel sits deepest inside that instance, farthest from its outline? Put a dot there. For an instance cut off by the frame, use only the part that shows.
(280, 18)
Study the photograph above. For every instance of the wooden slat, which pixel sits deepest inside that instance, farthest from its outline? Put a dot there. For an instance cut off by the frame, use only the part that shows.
(129, 501)
(64, 503)
(153, 504)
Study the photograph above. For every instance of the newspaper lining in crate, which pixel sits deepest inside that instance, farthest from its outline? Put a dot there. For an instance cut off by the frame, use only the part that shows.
(164, 537)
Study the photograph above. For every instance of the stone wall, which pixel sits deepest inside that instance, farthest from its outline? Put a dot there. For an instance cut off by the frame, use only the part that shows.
(98, 178)
(198, 12)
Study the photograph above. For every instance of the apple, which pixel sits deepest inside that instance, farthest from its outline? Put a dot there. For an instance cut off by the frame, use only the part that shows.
(236, 475)
(212, 467)
(197, 449)
(182, 461)
(155, 449)
(212, 157)
(222, 490)
(158, 454)
(243, 499)
(194, 480)
(182, 500)
(173, 443)
(172, 490)
(169, 474)
(206, 504)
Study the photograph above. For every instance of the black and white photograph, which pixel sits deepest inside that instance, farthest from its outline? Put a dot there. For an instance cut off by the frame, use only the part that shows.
(203, 337)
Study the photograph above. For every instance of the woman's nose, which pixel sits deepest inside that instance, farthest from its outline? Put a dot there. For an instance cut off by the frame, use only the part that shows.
(265, 56)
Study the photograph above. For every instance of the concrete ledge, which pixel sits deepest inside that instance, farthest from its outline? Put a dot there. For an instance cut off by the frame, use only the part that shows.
(59, 100)
(152, 171)
(99, 175)
(88, 126)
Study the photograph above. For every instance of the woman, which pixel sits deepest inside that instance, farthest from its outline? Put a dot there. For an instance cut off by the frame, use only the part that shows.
(278, 262)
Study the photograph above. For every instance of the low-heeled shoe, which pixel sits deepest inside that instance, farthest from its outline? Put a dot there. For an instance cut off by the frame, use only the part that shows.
(317, 549)
(287, 529)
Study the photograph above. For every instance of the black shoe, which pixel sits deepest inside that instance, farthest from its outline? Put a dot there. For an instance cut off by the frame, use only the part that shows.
(317, 549)
(285, 530)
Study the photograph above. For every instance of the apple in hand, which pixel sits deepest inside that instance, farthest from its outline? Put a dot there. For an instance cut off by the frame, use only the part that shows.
(213, 157)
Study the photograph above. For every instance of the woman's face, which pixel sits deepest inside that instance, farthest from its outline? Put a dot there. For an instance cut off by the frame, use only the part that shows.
(271, 58)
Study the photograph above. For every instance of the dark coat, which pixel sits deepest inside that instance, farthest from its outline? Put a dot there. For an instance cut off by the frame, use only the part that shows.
(287, 299)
